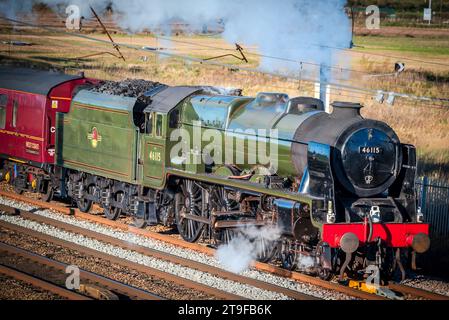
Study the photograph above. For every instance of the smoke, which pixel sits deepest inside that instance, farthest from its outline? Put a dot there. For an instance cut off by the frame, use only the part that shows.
(237, 255)
(222, 91)
(294, 29)
(305, 262)
(9, 8)
(298, 30)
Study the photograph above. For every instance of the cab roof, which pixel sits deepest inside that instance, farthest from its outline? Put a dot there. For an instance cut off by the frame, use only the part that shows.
(165, 100)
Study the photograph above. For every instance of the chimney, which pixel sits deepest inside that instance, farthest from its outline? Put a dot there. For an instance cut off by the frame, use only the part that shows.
(346, 109)
(322, 88)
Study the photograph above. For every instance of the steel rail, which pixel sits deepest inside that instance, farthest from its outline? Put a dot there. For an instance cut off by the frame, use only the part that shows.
(159, 254)
(109, 284)
(265, 267)
(44, 285)
(123, 262)
(417, 292)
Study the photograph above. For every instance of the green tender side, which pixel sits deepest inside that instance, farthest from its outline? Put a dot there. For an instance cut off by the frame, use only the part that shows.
(98, 136)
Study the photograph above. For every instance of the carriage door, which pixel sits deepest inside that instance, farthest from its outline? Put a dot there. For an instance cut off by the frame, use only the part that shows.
(154, 150)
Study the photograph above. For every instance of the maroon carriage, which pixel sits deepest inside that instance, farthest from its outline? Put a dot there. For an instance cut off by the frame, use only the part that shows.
(29, 101)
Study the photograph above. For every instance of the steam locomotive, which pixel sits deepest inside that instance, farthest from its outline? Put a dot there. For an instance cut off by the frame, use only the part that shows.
(341, 192)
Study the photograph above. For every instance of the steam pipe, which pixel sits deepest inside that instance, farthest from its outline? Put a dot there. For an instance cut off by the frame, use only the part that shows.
(370, 223)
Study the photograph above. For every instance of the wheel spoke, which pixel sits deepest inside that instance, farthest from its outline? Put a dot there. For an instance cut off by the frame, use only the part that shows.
(184, 191)
(186, 229)
(190, 233)
(189, 201)
(262, 247)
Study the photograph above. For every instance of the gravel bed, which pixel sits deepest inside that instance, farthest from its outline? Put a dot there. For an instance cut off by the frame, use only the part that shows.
(243, 290)
(185, 253)
(97, 265)
(427, 283)
(12, 289)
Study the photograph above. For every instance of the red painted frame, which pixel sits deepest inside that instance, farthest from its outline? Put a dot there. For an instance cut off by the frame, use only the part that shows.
(397, 235)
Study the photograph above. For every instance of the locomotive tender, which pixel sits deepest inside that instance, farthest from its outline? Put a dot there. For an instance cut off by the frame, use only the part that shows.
(342, 194)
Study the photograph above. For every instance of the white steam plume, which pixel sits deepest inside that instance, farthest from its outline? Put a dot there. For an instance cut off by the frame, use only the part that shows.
(9, 8)
(292, 29)
(237, 255)
(305, 262)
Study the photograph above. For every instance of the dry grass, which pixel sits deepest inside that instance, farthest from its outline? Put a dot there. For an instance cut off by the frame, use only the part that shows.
(416, 123)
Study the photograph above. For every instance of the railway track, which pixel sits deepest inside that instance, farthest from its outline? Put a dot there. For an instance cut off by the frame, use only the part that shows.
(39, 283)
(299, 277)
(96, 286)
(416, 292)
(122, 262)
(144, 251)
(263, 267)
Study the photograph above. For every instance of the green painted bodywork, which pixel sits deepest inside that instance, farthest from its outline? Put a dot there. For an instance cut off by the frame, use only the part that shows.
(228, 116)
(122, 153)
(126, 154)
(239, 120)
(113, 153)
(154, 153)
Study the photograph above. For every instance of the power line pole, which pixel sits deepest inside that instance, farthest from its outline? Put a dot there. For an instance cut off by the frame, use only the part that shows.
(430, 8)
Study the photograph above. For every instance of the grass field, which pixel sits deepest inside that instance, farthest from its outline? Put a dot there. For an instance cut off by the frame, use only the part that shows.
(425, 125)
(431, 48)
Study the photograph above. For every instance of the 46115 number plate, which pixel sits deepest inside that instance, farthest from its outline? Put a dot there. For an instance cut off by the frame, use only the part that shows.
(370, 150)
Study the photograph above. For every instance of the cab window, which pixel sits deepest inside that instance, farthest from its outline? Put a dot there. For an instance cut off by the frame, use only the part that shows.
(174, 119)
(15, 113)
(159, 125)
(149, 123)
(3, 102)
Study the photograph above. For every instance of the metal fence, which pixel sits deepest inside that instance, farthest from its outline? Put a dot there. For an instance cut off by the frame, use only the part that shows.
(433, 199)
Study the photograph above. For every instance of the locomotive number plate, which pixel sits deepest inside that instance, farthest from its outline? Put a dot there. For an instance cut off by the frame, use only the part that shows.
(370, 150)
(155, 156)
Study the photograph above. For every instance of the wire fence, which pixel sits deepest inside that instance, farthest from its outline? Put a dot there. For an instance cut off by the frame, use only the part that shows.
(434, 203)
(433, 197)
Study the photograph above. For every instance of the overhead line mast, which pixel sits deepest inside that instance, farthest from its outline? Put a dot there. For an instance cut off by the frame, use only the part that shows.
(115, 45)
